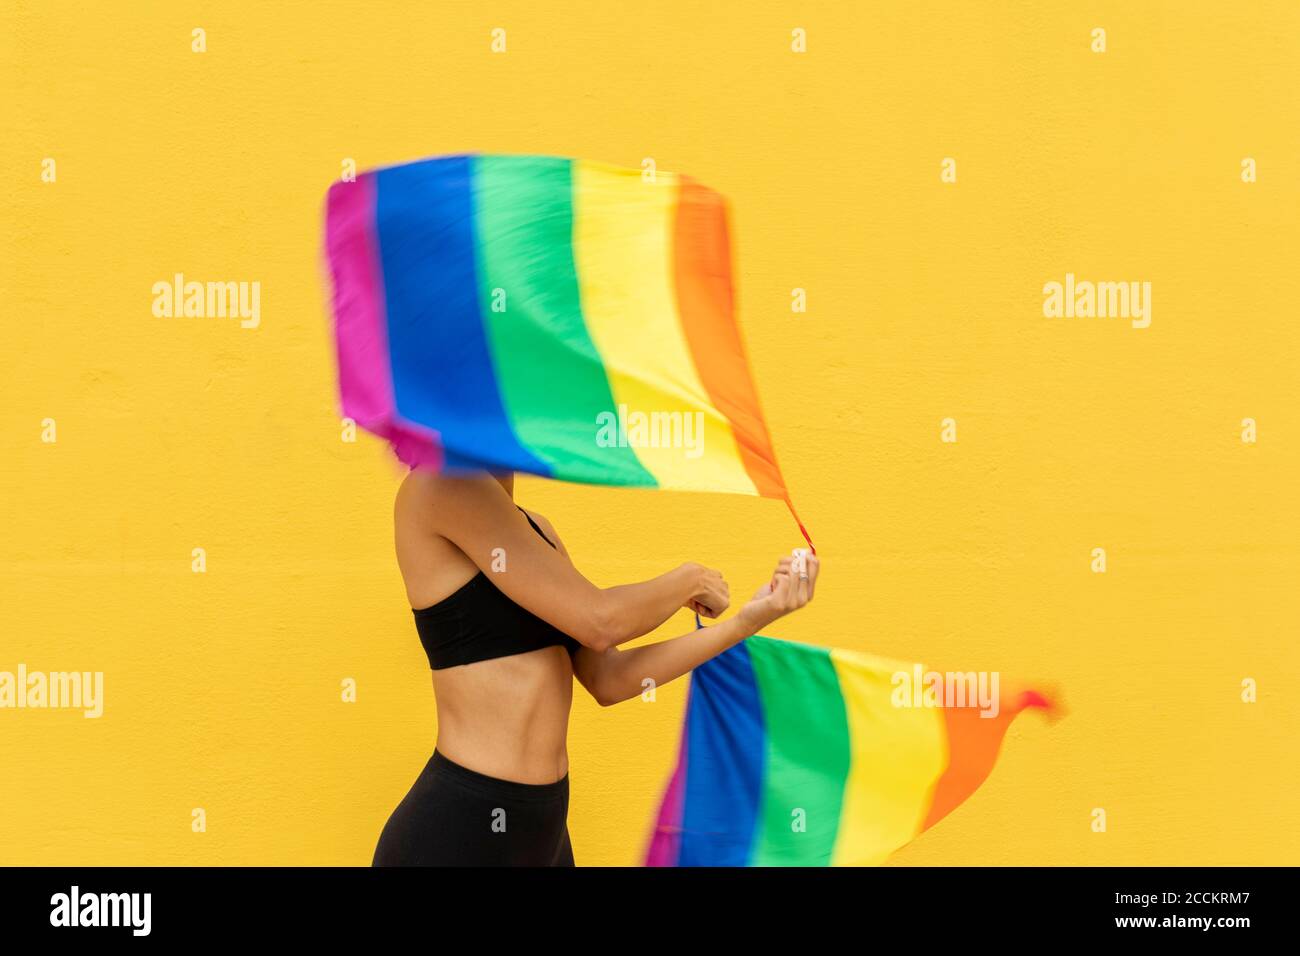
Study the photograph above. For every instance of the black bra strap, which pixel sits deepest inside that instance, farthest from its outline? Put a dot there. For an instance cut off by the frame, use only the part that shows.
(535, 528)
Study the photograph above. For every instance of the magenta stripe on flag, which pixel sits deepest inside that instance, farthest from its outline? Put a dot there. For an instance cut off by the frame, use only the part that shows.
(666, 841)
(361, 336)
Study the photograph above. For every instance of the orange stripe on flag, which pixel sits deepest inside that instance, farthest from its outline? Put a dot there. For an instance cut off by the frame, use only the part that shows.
(702, 263)
(973, 744)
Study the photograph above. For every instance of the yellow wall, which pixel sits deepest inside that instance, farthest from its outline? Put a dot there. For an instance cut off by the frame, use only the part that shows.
(924, 302)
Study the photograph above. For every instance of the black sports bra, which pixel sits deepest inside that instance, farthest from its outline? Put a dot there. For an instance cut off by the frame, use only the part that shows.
(479, 623)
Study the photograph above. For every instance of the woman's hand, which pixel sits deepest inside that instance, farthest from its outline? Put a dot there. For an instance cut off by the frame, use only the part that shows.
(615, 675)
(711, 595)
(792, 586)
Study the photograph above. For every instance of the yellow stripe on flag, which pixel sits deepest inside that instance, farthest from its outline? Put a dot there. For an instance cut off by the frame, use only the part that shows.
(896, 755)
(622, 247)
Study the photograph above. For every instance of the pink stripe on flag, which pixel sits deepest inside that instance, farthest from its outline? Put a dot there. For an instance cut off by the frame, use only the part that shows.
(361, 335)
(364, 378)
(666, 841)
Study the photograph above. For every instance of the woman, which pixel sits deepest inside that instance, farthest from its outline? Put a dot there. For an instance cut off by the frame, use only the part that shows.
(507, 622)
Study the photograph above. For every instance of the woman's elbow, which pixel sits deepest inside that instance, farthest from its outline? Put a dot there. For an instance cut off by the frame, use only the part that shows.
(604, 628)
(608, 693)
(604, 679)
(595, 638)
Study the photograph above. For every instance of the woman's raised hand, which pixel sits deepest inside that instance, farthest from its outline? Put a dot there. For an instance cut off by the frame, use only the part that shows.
(792, 586)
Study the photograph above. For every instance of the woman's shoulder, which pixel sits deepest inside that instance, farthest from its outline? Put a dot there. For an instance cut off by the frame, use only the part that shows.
(544, 523)
(424, 496)
(540, 518)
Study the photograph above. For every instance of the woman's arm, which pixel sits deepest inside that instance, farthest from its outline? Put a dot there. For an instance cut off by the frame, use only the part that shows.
(616, 675)
(476, 515)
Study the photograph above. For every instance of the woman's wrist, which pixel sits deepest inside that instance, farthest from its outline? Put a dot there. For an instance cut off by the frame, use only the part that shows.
(692, 580)
(746, 621)
(744, 626)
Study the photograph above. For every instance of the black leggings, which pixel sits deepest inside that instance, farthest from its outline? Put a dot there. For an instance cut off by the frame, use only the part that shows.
(454, 816)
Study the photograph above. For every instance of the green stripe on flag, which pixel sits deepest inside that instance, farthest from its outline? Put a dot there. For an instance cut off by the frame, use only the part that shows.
(807, 759)
(551, 377)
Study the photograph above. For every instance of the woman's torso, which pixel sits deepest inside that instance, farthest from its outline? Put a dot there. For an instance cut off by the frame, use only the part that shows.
(506, 717)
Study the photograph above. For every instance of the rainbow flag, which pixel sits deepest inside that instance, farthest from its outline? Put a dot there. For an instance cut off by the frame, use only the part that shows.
(794, 755)
(558, 317)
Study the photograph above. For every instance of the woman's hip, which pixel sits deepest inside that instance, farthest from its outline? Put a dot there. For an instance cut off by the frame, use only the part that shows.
(454, 816)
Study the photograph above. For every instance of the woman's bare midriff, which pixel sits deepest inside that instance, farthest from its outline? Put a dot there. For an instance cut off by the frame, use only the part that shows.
(508, 717)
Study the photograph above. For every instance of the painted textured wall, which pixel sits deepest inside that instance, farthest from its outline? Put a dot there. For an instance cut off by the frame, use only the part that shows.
(924, 302)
